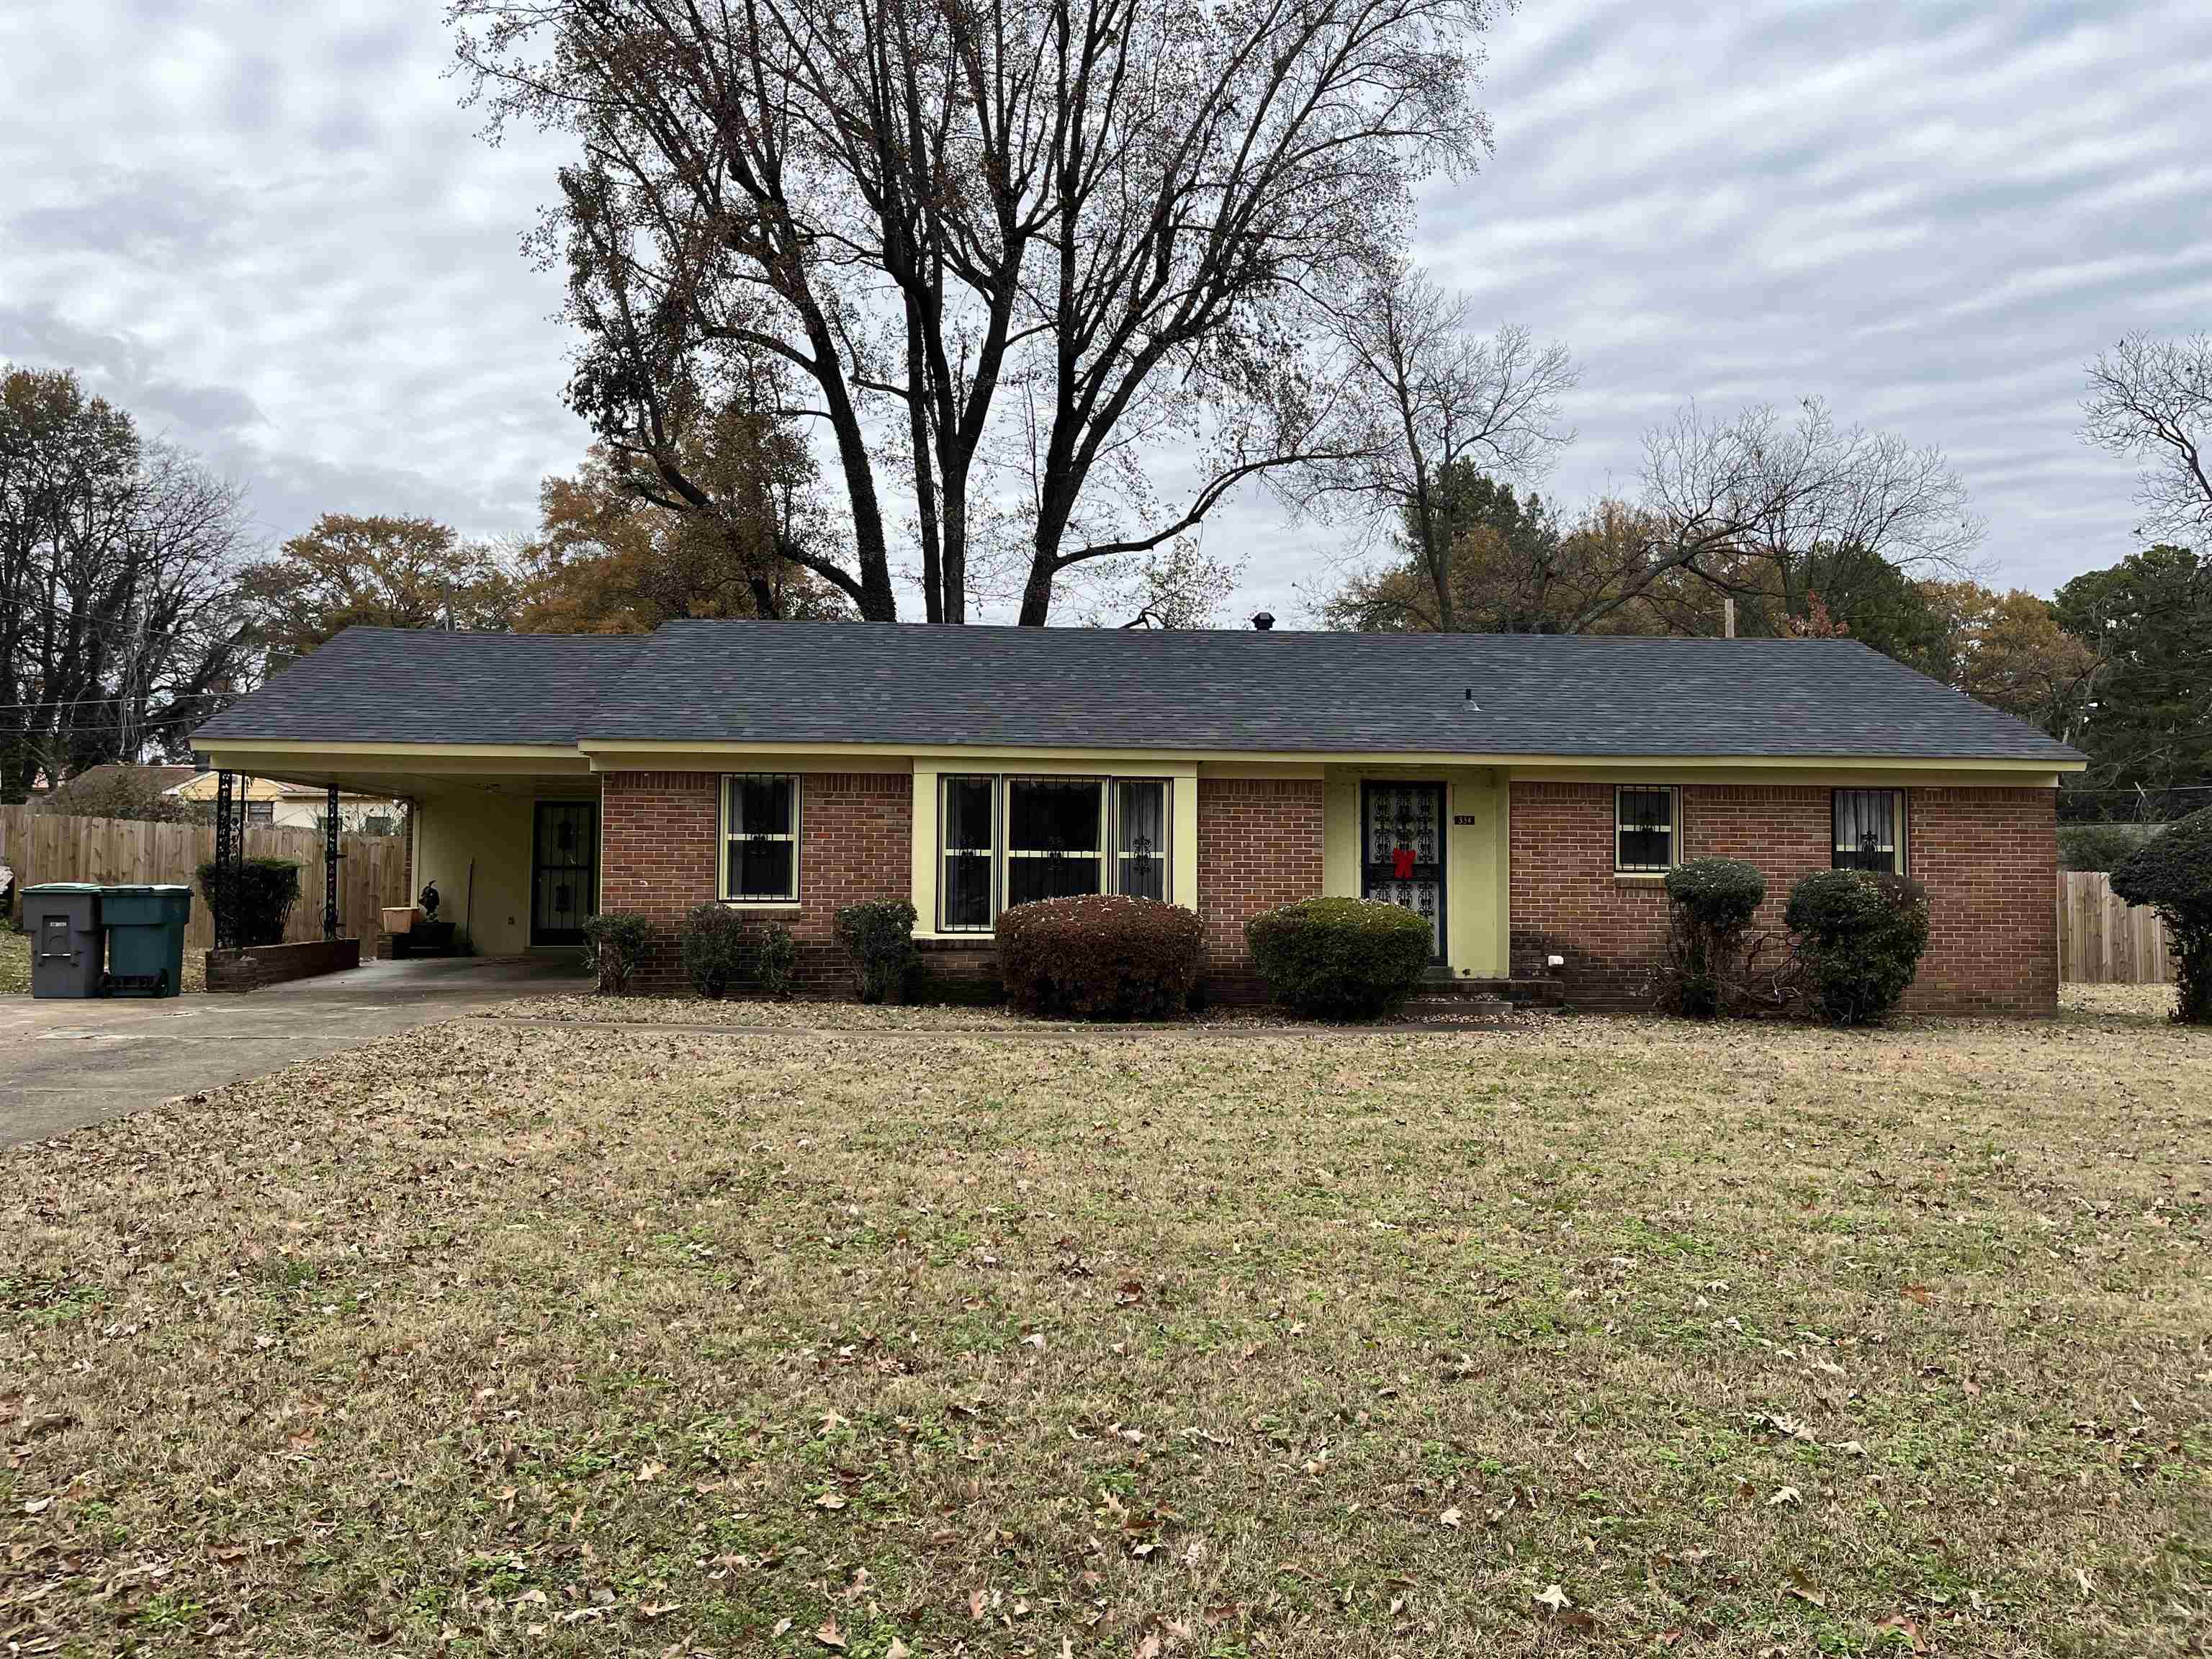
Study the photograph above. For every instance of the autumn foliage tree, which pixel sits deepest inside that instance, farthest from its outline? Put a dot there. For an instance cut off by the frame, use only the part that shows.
(351, 569)
(616, 553)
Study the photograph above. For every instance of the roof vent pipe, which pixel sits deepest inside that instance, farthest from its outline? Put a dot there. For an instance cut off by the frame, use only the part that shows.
(1263, 620)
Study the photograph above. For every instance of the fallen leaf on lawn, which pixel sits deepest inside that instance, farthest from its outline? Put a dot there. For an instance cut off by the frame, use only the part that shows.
(652, 1470)
(830, 1500)
(650, 1611)
(1451, 1517)
(897, 1649)
(1035, 1339)
(975, 1602)
(1148, 1649)
(37, 1505)
(1920, 1294)
(1554, 1600)
(1129, 1291)
(1785, 1495)
(2082, 1579)
(1898, 1622)
(830, 1637)
(781, 1626)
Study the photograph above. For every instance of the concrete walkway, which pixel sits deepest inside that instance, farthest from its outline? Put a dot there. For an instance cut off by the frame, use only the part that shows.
(64, 1065)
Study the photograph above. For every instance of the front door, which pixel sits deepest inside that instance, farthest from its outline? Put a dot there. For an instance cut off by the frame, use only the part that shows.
(564, 871)
(1401, 858)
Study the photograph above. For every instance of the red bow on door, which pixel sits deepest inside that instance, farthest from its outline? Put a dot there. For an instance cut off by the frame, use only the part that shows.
(1401, 865)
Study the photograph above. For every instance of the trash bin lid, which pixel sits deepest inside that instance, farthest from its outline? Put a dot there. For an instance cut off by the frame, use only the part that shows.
(65, 887)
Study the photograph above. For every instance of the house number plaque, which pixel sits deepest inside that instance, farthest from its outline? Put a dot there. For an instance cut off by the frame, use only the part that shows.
(1463, 817)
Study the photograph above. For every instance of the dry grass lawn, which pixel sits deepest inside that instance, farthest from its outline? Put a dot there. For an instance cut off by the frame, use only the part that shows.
(15, 961)
(1605, 1337)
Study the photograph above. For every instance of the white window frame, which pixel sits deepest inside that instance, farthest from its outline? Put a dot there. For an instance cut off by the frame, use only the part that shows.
(1900, 821)
(1674, 794)
(944, 853)
(731, 835)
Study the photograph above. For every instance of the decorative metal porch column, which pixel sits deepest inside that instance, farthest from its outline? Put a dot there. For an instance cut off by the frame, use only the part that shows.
(229, 836)
(330, 856)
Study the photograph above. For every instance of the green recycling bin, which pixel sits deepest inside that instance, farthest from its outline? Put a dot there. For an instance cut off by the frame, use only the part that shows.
(145, 930)
(67, 946)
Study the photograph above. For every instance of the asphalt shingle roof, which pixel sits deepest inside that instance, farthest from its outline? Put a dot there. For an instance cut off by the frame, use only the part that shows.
(419, 685)
(1285, 692)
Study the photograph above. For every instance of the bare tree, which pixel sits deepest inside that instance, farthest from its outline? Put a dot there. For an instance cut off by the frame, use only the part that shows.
(120, 627)
(2152, 399)
(1126, 208)
(1747, 505)
(1430, 398)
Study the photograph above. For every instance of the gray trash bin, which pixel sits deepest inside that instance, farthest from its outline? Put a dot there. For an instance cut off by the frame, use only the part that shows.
(68, 948)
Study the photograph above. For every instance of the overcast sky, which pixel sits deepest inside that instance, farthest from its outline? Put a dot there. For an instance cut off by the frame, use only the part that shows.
(267, 228)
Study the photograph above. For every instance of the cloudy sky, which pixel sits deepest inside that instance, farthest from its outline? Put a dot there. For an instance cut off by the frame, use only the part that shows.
(268, 229)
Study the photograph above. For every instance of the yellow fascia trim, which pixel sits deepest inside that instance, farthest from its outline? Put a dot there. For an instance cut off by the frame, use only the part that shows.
(295, 749)
(982, 756)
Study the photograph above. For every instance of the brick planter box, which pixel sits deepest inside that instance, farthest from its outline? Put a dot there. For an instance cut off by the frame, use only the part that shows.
(258, 965)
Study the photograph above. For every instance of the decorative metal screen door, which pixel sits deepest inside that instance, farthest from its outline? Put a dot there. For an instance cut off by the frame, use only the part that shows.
(564, 873)
(1401, 858)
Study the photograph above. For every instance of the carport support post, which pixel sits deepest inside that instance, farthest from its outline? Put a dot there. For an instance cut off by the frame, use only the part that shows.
(331, 865)
(226, 837)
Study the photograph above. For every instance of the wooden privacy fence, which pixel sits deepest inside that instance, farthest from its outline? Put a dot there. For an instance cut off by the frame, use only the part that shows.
(2103, 940)
(40, 846)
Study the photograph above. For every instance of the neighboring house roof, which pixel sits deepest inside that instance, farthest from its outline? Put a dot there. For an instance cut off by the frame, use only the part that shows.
(110, 776)
(918, 686)
(206, 786)
(409, 685)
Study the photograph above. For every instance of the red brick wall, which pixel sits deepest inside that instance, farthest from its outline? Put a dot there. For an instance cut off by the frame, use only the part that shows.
(1259, 845)
(1987, 856)
(661, 832)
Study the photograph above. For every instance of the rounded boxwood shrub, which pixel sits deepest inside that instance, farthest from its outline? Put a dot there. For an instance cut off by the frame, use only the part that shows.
(614, 943)
(1340, 958)
(1860, 936)
(878, 939)
(1100, 956)
(258, 892)
(775, 962)
(2173, 872)
(1710, 903)
(717, 950)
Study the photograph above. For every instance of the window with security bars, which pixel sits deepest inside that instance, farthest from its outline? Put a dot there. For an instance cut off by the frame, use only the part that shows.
(967, 892)
(1869, 830)
(1055, 846)
(1644, 828)
(1140, 840)
(760, 829)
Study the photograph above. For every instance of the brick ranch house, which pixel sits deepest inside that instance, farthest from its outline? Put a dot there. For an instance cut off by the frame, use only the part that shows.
(1525, 794)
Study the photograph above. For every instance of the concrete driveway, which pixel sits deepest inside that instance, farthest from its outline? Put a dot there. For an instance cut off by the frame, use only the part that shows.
(64, 1065)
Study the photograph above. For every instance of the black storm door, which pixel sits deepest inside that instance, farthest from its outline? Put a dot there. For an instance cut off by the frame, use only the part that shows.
(564, 871)
(1402, 854)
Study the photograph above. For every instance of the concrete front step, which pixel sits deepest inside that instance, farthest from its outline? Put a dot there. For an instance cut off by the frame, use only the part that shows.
(1523, 993)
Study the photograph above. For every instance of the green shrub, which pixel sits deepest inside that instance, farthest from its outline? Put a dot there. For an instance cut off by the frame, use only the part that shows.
(1340, 958)
(2173, 872)
(1711, 902)
(1100, 956)
(614, 943)
(716, 947)
(1859, 938)
(2100, 846)
(775, 962)
(261, 893)
(878, 939)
